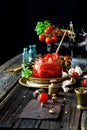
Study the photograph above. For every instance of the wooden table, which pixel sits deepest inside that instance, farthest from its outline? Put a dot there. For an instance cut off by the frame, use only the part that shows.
(14, 97)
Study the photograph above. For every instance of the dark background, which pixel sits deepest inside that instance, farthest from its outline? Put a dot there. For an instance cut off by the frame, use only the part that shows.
(19, 18)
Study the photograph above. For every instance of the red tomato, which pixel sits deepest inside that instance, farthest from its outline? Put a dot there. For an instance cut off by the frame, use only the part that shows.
(75, 75)
(41, 37)
(48, 59)
(50, 28)
(55, 31)
(56, 56)
(48, 55)
(43, 97)
(58, 32)
(85, 82)
(67, 57)
(54, 39)
(46, 31)
(48, 40)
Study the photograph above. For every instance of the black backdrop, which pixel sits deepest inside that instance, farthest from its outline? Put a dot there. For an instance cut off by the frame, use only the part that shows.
(19, 18)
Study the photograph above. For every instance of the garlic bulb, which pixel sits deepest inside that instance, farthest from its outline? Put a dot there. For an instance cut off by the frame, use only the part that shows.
(78, 70)
(65, 84)
(71, 71)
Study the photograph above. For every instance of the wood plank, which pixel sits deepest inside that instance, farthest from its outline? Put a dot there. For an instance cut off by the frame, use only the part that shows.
(12, 108)
(11, 63)
(7, 80)
(70, 114)
(84, 120)
(69, 117)
(6, 84)
(29, 124)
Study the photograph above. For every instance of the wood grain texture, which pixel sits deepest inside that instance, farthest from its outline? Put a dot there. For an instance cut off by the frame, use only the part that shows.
(14, 97)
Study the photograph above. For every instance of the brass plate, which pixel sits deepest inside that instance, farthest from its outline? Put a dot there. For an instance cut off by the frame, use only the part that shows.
(47, 80)
(27, 83)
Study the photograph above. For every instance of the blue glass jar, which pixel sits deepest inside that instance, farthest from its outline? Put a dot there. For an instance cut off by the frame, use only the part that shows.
(25, 56)
(34, 51)
(30, 54)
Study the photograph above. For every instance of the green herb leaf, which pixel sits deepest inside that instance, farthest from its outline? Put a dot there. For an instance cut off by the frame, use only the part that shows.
(26, 72)
(41, 26)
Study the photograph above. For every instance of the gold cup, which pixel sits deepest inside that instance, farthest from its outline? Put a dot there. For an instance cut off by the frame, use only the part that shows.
(81, 93)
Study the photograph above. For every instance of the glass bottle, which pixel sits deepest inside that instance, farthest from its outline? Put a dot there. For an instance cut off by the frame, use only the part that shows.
(30, 53)
(34, 51)
(25, 56)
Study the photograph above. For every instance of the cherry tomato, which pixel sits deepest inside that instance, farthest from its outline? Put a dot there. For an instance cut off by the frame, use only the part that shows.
(55, 31)
(56, 56)
(54, 39)
(48, 40)
(46, 31)
(58, 32)
(50, 28)
(85, 82)
(67, 57)
(43, 97)
(48, 55)
(75, 75)
(41, 37)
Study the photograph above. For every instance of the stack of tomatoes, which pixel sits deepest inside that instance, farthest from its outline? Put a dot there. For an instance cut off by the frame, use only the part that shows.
(51, 34)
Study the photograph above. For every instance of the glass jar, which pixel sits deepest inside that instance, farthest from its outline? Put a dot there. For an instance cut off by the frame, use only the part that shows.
(47, 69)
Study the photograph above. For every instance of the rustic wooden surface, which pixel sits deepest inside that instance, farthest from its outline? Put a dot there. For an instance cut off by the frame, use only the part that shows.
(7, 80)
(14, 97)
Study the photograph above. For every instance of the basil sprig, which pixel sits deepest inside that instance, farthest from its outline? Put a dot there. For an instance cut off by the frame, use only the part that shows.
(26, 72)
(41, 26)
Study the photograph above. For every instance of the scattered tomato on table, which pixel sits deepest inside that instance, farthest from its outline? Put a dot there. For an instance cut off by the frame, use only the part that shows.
(75, 75)
(85, 82)
(75, 72)
(43, 97)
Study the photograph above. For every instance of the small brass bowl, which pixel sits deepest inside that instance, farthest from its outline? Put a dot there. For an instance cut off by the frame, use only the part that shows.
(81, 93)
